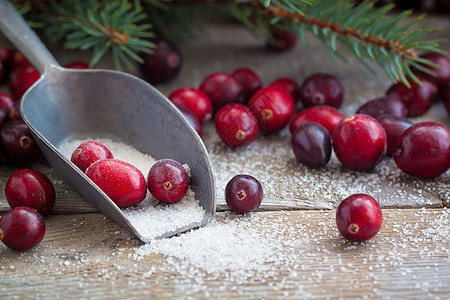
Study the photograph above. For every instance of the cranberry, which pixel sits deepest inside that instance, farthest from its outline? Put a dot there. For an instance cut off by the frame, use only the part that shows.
(14, 112)
(273, 107)
(88, 153)
(236, 125)
(123, 183)
(163, 64)
(21, 228)
(249, 80)
(282, 41)
(442, 74)
(17, 143)
(387, 105)
(394, 127)
(30, 188)
(6, 102)
(287, 84)
(423, 150)
(360, 142)
(320, 89)
(22, 79)
(19, 62)
(243, 193)
(6, 57)
(77, 65)
(191, 118)
(445, 95)
(311, 144)
(359, 217)
(222, 89)
(324, 115)
(168, 181)
(194, 100)
(418, 99)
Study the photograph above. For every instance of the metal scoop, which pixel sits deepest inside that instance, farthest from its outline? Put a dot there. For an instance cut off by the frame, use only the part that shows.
(101, 103)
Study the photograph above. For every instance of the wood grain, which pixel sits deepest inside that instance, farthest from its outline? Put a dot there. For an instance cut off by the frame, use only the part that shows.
(88, 256)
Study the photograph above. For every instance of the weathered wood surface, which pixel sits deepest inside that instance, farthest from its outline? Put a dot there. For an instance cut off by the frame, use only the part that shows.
(88, 256)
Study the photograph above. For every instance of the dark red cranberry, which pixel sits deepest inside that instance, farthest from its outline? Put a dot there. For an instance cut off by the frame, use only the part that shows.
(359, 217)
(360, 142)
(30, 188)
(321, 89)
(122, 182)
(19, 62)
(287, 84)
(14, 112)
(324, 115)
(194, 100)
(88, 153)
(418, 99)
(168, 181)
(442, 74)
(423, 150)
(191, 118)
(445, 96)
(311, 144)
(273, 107)
(17, 143)
(394, 127)
(77, 65)
(249, 80)
(222, 89)
(21, 228)
(236, 125)
(22, 79)
(282, 41)
(6, 102)
(244, 193)
(387, 105)
(163, 64)
(6, 57)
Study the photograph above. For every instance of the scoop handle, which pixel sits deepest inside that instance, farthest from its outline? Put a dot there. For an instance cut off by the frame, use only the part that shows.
(17, 31)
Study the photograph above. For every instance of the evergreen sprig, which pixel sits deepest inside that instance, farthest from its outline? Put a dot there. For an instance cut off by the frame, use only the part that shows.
(101, 26)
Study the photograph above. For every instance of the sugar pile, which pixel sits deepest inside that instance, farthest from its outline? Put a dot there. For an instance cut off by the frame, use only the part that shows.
(150, 217)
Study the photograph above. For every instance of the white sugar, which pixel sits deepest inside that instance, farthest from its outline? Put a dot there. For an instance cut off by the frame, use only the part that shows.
(150, 217)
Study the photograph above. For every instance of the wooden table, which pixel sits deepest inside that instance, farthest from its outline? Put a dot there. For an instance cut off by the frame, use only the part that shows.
(86, 255)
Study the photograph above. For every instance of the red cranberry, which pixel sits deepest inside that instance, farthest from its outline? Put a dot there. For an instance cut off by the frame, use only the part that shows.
(14, 112)
(222, 89)
(22, 79)
(387, 105)
(311, 144)
(282, 41)
(273, 107)
(121, 181)
(77, 65)
(324, 115)
(17, 143)
(191, 118)
(19, 62)
(394, 127)
(319, 89)
(359, 142)
(359, 217)
(445, 96)
(30, 188)
(6, 102)
(442, 74)
(6, 57)
(244, 193)
(163, 64)
(418, 99)
(88, 153)
(423, 150)
(194, 100)
(21, 228)
(287, 84)
(236, 125)
(168, 181)
(249, 80)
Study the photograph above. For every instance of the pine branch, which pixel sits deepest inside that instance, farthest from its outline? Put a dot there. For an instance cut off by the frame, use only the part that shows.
(102, 26)
(367, 32)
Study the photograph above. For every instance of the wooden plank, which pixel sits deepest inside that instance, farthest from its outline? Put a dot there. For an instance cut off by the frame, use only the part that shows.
(88, 256)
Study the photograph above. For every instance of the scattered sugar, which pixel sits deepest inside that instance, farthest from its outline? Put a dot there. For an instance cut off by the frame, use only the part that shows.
(151, 218)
